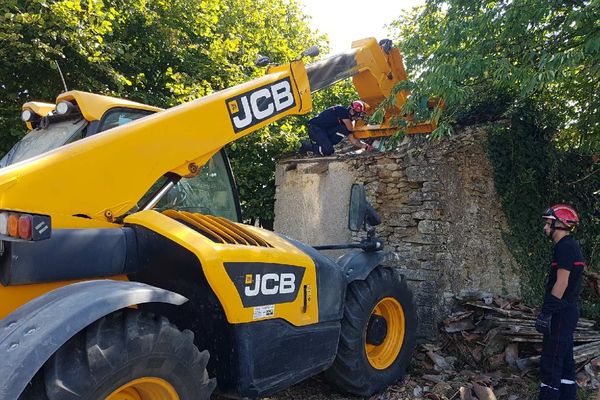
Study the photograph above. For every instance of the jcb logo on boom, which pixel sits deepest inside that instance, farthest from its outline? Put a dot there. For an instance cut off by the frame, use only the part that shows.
(260, 284)
(250, 108)
(270, 284)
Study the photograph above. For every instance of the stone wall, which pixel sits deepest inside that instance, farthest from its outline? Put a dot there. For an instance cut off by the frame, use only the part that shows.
(439, 209)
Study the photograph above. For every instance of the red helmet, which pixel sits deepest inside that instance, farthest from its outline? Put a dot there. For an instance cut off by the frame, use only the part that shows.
(358, 106)
(563, 213)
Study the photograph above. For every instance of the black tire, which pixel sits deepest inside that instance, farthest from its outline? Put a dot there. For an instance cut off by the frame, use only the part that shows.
(352, 371)
(118, 350)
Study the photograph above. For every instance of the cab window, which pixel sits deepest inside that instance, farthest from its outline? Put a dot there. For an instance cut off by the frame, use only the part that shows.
(120, 116)
(43, 139)
(210, 192)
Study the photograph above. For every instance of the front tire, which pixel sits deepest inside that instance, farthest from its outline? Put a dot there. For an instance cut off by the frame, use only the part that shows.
(125, 355)
(377, 336)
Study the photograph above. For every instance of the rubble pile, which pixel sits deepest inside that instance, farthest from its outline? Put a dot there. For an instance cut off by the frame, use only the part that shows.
(489, 349)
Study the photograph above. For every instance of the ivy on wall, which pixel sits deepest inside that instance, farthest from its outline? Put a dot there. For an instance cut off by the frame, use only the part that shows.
(533, 170)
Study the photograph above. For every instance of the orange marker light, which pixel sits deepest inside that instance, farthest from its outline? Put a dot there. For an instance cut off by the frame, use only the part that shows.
(25, 227)
(13, 225)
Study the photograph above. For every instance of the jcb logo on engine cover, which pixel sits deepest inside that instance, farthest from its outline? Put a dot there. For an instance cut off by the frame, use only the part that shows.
(269, 284)
(250, 108)
(264, 283)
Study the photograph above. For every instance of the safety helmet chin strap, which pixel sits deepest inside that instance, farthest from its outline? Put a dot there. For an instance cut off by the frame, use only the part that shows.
(554, 228)
(355, 115)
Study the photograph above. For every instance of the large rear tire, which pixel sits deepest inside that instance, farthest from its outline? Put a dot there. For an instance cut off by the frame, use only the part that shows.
(126, 355)
(378, 334)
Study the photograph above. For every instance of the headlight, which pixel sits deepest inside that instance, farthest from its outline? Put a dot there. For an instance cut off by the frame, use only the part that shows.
(27, 115)
(65, 107)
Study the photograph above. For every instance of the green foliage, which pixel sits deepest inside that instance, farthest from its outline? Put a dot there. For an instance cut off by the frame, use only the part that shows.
(253, 159)
(532, 173)
(158, 52)
(535, 63)
(483, 56)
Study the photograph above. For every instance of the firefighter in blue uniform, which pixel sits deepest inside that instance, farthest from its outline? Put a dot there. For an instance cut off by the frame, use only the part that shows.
(560, 311)
(331, 126)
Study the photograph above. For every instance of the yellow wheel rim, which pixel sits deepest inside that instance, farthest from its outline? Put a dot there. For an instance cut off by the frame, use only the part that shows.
(145, 389)
(383, 355)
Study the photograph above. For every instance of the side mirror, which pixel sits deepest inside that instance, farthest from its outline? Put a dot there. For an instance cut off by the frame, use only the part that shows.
(262, 61)
(312, 51)
(371, 217)
(358, 208)
(361, 214)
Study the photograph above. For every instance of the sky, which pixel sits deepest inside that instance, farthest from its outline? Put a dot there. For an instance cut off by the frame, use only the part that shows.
(347, 20)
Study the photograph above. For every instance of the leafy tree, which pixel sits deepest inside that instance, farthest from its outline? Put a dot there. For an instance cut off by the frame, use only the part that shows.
(160, 52)
(484, 56)
(35, 34)
(133, 49)
(535, 63)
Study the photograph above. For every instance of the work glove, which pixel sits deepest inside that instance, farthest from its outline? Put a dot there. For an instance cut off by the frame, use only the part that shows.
(543, 322)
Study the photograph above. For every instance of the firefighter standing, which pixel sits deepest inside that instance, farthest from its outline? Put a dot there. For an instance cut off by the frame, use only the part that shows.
(560, 310)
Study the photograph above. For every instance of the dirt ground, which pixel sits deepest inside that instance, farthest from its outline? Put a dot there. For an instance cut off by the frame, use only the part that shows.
(318, 388)
(487, 349)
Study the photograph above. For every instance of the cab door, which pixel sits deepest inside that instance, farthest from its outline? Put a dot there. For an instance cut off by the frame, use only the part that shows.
(212, 191)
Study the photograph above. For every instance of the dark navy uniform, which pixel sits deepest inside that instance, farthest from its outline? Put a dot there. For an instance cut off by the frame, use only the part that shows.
(328, 129)
(557, 368)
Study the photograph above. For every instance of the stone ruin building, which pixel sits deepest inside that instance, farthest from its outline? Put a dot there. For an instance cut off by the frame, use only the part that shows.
(440, 215)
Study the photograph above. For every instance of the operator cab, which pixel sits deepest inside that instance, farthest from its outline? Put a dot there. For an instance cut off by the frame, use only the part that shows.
(78, 115)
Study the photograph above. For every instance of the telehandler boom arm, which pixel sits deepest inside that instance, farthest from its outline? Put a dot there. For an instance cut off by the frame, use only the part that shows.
(104, 176)
(374, 72)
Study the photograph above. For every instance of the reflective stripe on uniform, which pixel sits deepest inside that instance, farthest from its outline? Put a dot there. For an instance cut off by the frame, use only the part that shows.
(548, 386)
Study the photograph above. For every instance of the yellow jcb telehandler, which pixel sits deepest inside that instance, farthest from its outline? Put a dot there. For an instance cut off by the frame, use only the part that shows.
(123, 263)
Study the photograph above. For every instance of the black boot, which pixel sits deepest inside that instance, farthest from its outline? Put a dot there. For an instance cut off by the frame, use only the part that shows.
(549, 393)
(568, 391)
(305, 148)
